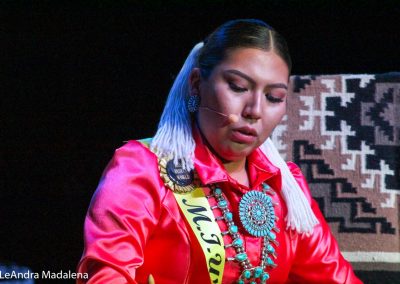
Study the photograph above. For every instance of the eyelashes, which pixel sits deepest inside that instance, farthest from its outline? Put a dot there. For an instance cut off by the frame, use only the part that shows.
(268, 95)
(236, 88)
(273, 99)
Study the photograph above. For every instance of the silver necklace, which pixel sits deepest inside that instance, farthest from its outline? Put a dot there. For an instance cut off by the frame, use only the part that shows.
(257, 215)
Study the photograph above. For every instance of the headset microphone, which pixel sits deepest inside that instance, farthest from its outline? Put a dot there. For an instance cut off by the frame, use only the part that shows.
(232, 118)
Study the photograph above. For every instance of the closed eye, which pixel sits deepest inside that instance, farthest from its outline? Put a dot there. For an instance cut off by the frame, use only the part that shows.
(273, 99)
(236, 88)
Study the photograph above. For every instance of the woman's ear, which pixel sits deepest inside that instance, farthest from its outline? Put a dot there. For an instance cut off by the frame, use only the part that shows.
(194, 82)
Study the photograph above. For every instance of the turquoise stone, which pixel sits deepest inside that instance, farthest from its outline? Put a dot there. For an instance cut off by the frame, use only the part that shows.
(241, 256)
(228, 216)
(270, 249)
(222, 204)
(257, 272)
(252, 282)
(240, 281)
(247, 274)
(217, 191)
(237, 242)
(256, 213)
(266, 186)
(270, 261)
(264, 276)
(233, 229)
(271, 236)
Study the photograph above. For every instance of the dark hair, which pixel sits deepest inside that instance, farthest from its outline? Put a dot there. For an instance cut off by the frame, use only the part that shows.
(237, 34)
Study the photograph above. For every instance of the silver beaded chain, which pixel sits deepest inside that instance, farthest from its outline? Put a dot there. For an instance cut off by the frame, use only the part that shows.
(250, 274)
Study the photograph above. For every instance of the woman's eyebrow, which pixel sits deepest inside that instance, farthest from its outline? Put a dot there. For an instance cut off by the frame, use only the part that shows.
(277, 85)
(244, 76)
(240, 74)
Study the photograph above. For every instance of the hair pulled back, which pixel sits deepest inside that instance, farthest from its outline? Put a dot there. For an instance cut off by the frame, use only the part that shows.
(242, 33)
(173, 139)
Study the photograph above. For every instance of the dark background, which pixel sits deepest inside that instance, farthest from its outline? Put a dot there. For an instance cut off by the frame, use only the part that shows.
(78, 79)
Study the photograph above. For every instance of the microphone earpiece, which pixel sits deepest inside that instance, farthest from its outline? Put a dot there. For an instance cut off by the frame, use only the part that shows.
(233, 118)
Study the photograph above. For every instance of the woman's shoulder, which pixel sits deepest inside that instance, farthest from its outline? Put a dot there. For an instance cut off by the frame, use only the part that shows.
(135, 149)
(134, 159)
(293, 167)
(132, 169)
(134, 152)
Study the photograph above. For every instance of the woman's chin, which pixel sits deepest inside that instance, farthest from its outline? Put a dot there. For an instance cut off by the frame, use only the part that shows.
(242, 149)
(236, 155)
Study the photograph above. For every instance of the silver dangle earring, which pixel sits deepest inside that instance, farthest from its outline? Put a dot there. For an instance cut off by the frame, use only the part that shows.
(193, 103)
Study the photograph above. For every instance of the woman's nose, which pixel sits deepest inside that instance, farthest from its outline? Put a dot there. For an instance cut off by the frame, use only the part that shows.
(252, 108)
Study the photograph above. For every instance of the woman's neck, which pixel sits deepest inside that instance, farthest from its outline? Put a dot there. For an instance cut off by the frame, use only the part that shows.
(237, 170)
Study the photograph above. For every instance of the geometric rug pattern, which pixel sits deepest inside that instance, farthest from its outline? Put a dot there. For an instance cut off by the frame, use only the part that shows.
(343, 131)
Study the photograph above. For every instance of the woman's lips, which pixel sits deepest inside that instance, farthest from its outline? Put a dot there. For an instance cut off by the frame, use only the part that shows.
(244, 135)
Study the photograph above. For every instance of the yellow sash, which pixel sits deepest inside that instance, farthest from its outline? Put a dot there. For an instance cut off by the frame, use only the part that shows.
(198, 214)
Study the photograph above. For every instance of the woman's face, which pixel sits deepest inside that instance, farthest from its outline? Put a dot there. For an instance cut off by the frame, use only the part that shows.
(251, 86)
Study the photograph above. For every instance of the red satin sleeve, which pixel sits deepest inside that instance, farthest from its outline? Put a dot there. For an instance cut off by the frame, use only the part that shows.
(318, 258)
(121, 216)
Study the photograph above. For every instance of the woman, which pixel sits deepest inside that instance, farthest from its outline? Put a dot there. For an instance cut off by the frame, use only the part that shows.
(209, 199)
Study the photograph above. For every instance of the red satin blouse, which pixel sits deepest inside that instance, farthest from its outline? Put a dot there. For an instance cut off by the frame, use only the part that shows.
(134, 226)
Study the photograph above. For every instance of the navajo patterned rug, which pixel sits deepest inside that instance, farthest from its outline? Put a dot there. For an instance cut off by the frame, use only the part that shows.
(344, 133)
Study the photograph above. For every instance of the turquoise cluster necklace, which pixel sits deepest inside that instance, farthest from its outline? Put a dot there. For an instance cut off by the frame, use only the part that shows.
(257, 215)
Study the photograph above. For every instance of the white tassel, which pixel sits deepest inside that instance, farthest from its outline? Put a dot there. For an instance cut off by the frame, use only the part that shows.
(300, 216)
(174, 134)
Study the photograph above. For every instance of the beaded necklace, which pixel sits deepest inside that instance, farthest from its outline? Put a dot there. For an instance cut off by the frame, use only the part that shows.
(257, 215)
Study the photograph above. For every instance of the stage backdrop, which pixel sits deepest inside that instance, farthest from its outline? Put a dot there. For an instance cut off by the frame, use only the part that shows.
(344, 131)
